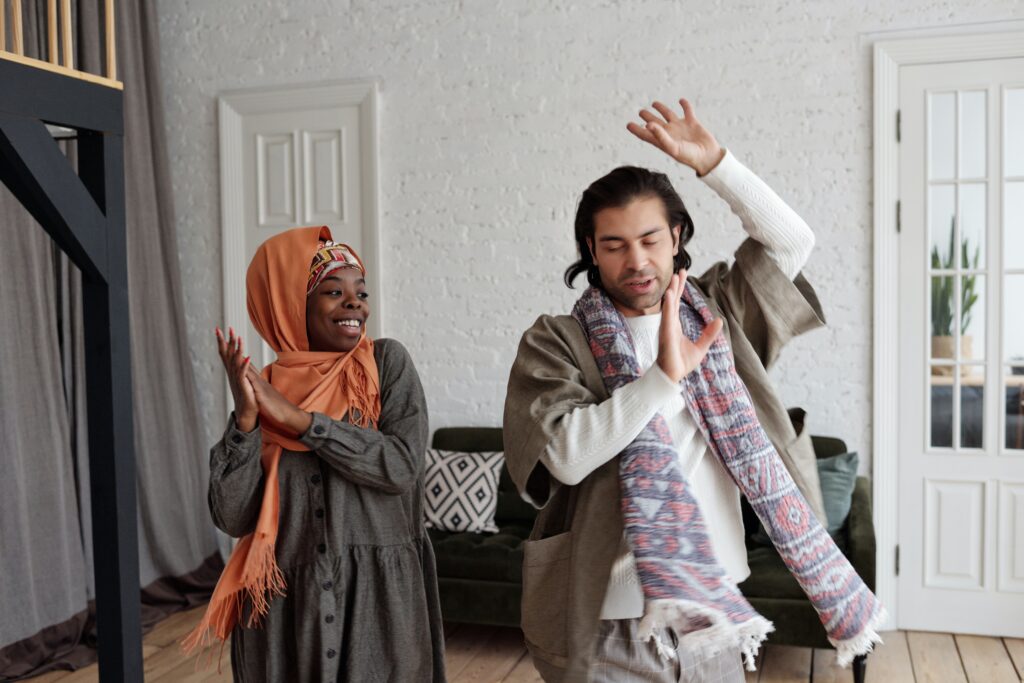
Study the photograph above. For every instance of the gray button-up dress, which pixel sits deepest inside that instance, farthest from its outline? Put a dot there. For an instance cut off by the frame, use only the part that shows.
(361, 600)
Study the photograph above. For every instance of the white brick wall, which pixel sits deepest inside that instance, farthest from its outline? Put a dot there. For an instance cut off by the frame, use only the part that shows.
(495, 116)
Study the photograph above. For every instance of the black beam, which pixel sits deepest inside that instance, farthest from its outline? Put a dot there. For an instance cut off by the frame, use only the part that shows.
(111, 435)
(63, 100)
(39, 174)
(85, 216)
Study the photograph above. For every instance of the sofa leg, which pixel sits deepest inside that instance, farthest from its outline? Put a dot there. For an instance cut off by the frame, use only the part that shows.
(860, 665)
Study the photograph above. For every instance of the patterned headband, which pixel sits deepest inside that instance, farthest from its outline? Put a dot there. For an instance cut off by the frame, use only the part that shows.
(331, 256)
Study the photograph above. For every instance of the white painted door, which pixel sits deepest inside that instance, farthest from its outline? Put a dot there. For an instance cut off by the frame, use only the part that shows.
(301, 168)
(290, 157)
(961, 340)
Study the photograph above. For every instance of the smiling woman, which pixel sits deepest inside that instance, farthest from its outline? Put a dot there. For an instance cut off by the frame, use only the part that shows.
(337, 303)
(320, 473)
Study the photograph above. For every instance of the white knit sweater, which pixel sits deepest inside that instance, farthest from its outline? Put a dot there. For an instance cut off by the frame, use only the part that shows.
(589, 436)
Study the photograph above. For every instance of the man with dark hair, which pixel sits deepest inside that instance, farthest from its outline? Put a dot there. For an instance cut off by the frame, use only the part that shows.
(637, 462)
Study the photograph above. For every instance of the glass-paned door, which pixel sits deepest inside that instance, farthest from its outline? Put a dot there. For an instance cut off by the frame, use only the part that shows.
(961, 332)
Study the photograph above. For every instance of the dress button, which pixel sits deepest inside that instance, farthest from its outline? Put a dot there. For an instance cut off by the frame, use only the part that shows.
(331, 653)
(319, 513)
(318, 429)
(329, 618)
(322, 548)
(327, 585)
(315, 479)
(236, 438)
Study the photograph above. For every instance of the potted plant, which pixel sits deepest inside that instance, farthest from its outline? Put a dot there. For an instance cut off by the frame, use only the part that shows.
(943, 310)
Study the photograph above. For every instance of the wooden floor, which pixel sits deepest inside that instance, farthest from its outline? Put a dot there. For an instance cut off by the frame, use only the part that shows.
(486, 654)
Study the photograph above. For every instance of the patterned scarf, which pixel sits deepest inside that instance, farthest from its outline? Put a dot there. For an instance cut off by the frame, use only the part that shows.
(683, 585)
(329, 257)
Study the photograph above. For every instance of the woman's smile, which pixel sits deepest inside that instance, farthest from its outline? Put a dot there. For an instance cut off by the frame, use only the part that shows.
(350, 327)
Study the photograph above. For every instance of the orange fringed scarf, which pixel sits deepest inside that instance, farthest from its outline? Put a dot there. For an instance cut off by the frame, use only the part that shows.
(325, 382)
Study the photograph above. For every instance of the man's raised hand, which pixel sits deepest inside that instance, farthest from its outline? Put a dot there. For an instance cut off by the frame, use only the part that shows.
(682, 138)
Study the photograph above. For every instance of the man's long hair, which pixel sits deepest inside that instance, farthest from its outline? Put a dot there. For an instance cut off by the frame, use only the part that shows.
(615, 190)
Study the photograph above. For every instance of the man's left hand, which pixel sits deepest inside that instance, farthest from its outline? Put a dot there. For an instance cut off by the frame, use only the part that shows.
(684, 139)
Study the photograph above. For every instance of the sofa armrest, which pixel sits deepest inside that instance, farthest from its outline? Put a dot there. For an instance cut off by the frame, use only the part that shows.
(860, 527)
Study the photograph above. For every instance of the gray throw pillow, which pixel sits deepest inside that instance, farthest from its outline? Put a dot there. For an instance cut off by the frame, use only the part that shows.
(838, 475)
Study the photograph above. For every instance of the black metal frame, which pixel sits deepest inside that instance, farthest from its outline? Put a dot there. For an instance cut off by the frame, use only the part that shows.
(84, 215)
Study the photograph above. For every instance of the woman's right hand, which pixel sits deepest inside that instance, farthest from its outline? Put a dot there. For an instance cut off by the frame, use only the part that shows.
(236, 363)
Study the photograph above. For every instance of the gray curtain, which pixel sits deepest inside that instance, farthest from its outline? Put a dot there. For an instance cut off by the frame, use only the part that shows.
(43, 564)
(175, 532)
(43, 418)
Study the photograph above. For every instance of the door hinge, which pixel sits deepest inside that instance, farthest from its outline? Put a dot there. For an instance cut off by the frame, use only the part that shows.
(897, 560)
(899, 216)
(898, 126)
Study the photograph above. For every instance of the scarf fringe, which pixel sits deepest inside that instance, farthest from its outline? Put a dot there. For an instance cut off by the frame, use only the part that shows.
(721, 635)
(863, 643)
(365, 409)
(218, 619)
(260, 586)
(263, 583)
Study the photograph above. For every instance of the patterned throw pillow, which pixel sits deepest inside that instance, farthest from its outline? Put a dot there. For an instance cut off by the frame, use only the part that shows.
(460, 492)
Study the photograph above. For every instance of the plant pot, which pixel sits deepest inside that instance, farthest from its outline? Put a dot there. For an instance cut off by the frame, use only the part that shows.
(944, 347)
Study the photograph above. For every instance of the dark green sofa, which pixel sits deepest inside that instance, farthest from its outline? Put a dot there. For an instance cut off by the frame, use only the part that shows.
(480, 575)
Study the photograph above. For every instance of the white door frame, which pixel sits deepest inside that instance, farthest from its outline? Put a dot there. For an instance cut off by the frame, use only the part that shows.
(232, 106)
(889, 56)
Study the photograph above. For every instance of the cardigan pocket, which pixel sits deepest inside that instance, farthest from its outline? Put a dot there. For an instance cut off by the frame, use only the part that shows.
(546, 567)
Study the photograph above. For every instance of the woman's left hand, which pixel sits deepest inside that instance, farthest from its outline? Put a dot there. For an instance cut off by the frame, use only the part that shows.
(276, 408)
(684, 139)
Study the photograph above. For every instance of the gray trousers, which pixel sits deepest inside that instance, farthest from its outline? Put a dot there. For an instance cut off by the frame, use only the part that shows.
(622, 657)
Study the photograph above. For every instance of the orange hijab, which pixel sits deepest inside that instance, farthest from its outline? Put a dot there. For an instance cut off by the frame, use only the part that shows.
(326, 382)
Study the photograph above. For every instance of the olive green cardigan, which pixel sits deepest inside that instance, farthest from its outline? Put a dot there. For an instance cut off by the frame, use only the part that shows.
(569, 556)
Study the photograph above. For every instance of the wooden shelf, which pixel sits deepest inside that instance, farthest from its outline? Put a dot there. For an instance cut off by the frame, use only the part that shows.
(974, 380)
(62, 70)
